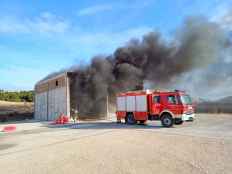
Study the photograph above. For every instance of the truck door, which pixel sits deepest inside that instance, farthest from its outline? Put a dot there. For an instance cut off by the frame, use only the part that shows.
(156, 105)
(172, 103)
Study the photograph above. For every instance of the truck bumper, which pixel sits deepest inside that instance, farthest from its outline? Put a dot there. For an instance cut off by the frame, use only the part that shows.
(188, 117)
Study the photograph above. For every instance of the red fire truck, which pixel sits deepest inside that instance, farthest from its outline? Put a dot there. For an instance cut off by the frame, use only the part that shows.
(171, 107)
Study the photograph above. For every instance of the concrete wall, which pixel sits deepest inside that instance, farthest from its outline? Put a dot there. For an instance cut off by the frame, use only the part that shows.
(52, 98)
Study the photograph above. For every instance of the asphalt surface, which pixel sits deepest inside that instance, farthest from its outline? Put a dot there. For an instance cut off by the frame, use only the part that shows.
(202, 146)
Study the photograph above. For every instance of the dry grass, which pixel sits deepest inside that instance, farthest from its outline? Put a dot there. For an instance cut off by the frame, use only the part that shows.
(19, 107)
(10, 111)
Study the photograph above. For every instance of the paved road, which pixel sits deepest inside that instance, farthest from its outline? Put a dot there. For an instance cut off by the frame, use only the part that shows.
(204, 146)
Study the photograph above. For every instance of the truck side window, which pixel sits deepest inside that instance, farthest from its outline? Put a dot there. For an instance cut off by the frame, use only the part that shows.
(156, 99)
(172, 99)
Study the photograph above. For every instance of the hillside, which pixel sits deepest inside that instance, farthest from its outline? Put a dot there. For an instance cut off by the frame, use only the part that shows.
(225, 100)
(223, 105)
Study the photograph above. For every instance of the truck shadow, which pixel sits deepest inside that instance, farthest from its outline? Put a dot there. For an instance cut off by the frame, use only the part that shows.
(104, 125)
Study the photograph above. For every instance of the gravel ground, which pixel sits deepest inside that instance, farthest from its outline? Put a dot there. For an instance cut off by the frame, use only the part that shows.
(202, 146)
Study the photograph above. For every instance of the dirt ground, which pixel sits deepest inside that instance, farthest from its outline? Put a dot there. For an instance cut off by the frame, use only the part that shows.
(202, 146)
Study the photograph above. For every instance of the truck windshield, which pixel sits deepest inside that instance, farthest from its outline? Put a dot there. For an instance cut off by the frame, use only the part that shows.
(186, 99)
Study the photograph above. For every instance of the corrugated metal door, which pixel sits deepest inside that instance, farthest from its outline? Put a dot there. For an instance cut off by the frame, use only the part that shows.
(41, 106)
(57, 103)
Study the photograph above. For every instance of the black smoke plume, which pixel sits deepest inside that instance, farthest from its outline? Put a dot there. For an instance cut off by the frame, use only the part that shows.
(150, 61)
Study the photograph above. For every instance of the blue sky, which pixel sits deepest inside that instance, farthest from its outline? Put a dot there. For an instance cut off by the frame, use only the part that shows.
(40, 37)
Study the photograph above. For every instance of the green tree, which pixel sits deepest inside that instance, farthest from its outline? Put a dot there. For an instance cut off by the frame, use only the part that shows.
(17, 96)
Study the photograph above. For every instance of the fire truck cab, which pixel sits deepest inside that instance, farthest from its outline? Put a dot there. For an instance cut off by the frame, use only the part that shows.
(170, 107)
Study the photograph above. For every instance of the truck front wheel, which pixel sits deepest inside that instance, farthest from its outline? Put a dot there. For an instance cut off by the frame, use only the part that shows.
(130, 119)
(142, 122)
(178, 121)
(167, 120)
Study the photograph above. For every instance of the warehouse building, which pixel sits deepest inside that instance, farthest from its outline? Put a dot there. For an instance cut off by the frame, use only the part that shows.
(52, 97)
(58, 94)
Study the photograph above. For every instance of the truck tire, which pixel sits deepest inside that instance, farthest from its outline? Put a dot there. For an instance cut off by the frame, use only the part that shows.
(130, 119)
(167, 120)
(178, 122)
(3, 119)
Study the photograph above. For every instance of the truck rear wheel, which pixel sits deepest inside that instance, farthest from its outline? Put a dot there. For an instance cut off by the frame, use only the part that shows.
(130, 119)
(119, 121)
(167, 120)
